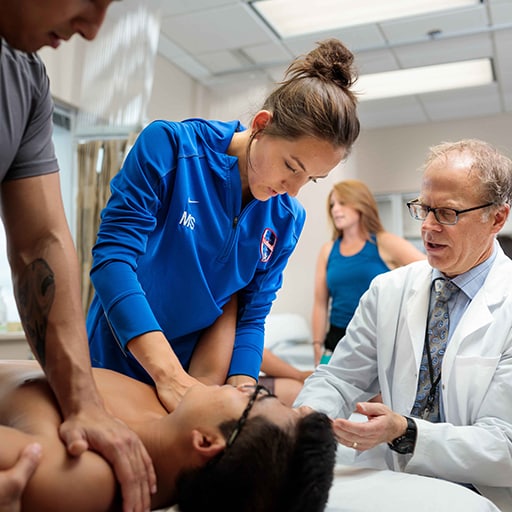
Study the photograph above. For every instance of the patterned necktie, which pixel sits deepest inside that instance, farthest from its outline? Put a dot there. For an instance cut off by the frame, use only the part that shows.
(427, 397)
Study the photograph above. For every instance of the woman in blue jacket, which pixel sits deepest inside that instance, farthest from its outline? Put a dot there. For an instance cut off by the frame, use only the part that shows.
(205, 211)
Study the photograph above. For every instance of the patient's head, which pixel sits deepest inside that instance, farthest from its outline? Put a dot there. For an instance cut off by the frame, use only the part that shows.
(273, 461)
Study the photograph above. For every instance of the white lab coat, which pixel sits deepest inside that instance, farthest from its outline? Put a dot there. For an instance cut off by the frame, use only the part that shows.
(382, 351)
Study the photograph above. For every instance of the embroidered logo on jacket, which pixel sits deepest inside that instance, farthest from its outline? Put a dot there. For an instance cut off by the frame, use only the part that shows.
(188, 220)
(267, 244)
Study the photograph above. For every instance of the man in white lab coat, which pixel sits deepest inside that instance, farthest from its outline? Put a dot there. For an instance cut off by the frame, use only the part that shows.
(458, 427)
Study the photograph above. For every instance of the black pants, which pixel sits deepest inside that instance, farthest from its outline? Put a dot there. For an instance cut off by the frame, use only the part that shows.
(333, 336)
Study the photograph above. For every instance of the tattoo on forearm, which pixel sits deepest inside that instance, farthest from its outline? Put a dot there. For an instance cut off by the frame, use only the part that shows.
(35, 295)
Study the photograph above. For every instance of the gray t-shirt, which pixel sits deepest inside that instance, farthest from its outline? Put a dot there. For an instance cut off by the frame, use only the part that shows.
(26, 108)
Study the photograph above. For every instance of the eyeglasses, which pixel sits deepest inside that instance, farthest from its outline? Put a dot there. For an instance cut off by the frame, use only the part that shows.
(258, 390)
(447, 216)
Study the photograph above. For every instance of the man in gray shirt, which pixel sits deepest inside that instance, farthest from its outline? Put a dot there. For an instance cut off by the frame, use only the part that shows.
(41, 253)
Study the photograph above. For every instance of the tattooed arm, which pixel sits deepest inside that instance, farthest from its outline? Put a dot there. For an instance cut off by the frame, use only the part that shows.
(35, 293)
(45, 274)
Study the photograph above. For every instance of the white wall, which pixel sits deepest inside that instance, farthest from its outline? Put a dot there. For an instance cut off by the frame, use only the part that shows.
(386, 159)
(175, 95)
(65, 66)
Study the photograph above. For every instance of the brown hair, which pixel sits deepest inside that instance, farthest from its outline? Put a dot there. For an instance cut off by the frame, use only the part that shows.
(315, 99)
(356, 194)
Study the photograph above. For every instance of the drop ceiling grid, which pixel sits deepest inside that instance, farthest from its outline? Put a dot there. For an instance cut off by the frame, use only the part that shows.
(212, 38)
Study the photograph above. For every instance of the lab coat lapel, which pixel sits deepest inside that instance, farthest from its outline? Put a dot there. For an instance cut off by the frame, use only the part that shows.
(409, 349)
(416, 312)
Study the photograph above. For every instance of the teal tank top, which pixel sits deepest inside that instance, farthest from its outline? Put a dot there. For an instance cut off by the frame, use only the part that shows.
(348, 277)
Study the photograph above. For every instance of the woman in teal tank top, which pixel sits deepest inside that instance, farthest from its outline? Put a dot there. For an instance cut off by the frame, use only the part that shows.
(359, 250)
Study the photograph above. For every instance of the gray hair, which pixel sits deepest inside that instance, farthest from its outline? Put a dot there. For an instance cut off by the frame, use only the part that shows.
(494, 169)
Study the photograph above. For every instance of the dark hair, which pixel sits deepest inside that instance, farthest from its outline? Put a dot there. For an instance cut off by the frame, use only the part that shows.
(268, 469)
(315, 99)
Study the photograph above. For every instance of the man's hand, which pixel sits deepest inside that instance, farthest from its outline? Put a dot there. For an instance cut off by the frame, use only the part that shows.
(383, 426)
(13, 481)
(112, 439)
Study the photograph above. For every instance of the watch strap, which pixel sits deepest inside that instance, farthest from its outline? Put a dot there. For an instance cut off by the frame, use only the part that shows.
(407, 442)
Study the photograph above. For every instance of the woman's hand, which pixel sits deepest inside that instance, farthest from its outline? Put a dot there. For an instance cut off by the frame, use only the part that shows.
(155, 354)
(170, 393)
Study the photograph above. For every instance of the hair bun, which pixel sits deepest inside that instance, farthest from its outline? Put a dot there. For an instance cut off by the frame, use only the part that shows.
(315, 98)
(329, 61)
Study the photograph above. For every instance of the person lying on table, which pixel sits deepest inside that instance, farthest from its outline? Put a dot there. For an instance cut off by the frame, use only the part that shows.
(222, 448)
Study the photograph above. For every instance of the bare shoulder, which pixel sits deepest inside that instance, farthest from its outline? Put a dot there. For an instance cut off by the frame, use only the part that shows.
(63, 483)
(137, 400)
(397, 251)
(326, 249)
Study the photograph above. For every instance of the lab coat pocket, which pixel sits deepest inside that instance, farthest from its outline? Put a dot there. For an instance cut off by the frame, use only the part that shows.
(468, 385)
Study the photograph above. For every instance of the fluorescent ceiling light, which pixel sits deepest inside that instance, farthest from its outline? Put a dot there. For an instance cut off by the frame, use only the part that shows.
(297, 17)
(441, 77)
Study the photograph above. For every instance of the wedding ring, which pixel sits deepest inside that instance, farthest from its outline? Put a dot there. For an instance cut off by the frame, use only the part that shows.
(354, 445)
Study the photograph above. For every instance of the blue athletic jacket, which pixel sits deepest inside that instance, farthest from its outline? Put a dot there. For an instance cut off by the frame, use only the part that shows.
(174, 244)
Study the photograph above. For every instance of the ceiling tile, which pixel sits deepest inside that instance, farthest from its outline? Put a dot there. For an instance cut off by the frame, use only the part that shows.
(375, 61)
(226, 47)
(237, 83)
(169, 49)
(502, 67)
(458, 104)
(445, 50)
(362, 37)
(451, 22)
(502, 62)
(501, 11)
(268, 53)
(225, 28)
(178, 7)
(223, 61)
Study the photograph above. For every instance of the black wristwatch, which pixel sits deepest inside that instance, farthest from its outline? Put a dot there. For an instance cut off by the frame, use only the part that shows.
(406, 442)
